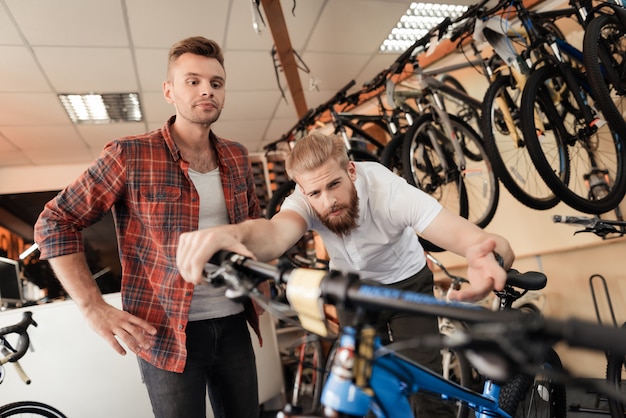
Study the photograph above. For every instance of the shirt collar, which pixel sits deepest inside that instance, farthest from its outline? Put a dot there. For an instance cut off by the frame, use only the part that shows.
(361, 191)
(175, 151)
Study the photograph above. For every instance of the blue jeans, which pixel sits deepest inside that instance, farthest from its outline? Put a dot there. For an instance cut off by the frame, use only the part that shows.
(220, 359)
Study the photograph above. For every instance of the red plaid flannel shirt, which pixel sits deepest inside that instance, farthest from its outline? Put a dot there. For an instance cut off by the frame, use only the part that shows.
(144, 181)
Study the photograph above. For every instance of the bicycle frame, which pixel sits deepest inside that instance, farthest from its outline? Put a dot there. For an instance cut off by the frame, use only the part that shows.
(389, 380)
(426, 98)
(343, 120)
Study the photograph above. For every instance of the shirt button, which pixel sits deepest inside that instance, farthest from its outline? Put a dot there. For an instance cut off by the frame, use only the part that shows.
(187, 293)
(193, 199)
(180, 327)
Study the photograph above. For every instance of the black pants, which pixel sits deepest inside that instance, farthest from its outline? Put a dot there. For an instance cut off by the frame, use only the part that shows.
(221, 360)
(396, 326)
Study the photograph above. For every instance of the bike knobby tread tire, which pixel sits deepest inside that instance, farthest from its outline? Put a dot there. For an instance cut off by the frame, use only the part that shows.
(514, 392)
(36, 409)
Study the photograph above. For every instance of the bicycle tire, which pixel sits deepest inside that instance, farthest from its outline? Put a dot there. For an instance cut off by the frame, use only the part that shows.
(31, 408)
(308, 378)
(586, 169)
(462, 372)
(604, 53)
(473, 191)
(535, 396)
(615, 366)
(507, 150)
(278, 196)
(391, 157)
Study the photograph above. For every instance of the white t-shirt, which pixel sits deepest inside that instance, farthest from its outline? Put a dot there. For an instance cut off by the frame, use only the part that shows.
(384, 247)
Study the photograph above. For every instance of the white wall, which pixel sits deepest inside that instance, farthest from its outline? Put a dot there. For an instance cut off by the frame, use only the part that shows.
(76, 371)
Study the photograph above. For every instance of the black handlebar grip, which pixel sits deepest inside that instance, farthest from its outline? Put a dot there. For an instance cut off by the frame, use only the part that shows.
(585, 334)
(581, 220)
(219, 257)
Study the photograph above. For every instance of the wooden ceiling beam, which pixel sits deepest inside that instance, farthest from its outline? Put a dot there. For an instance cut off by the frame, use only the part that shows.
(286, 55)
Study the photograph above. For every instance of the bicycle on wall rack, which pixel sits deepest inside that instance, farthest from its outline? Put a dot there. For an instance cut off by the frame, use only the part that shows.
(500, 122)
(442, 154)
(366, 376)
(12, 353)
(577, 154)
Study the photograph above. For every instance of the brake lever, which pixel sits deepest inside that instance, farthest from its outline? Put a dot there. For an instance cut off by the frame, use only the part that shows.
(457, 281)
(600, 229)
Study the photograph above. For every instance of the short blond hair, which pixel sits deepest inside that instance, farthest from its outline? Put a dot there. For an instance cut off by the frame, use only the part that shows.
(313, 151)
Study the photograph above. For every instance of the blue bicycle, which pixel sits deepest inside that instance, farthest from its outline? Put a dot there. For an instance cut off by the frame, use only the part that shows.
(367, 377)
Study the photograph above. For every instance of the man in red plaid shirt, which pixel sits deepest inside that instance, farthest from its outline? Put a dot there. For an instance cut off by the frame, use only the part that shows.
(159, 185)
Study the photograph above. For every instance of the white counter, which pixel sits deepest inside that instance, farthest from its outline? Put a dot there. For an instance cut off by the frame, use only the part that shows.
(77, 372)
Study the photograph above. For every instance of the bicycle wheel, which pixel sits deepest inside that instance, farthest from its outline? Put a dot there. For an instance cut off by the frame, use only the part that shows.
(604, 54)
(454, 106)
(538, 396)
(430, 163)
(615, 369)
(582, 164)
(391, 156)
(307, 377)
(30, 409)
(506, 148)
(457, 368)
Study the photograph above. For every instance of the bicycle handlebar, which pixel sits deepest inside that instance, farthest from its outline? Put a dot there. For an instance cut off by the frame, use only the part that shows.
(308, 290)
(600, 227)
(23, 342)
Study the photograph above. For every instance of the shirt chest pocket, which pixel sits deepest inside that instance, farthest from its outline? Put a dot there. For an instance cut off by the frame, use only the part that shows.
(161, 207)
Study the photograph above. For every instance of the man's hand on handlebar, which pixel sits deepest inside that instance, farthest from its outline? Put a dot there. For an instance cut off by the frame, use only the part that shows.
(483, 272)
(196, 248)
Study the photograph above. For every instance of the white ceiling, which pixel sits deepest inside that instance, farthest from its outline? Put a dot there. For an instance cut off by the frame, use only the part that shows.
(111, 46)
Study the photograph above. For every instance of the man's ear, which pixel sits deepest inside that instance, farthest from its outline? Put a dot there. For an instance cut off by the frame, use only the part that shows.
(351, 170)
(167, 92)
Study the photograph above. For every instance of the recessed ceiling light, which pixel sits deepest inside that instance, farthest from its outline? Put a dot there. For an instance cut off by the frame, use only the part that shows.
(102, 108)
(416, 22)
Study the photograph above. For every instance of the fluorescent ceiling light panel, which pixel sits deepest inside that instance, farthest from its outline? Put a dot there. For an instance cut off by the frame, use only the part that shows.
(102, 108)
(416, 22)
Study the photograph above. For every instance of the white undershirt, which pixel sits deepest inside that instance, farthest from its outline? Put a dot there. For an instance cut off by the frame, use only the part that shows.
(208, 301)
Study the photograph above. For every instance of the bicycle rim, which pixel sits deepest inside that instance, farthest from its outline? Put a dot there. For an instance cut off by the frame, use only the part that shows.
(506, 148)
(526, 396)
(604, 52)
(308, 378)
(29, 409)
(584, 168)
